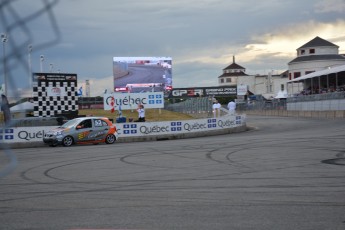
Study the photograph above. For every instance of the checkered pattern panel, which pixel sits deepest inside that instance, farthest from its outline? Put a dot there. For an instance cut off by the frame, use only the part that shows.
(47, 106)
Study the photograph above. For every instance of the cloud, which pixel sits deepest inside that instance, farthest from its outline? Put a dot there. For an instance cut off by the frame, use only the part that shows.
(283, 43)
(201, 36)
(326, 6)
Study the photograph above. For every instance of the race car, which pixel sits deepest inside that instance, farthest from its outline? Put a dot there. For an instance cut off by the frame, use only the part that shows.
(82, 130)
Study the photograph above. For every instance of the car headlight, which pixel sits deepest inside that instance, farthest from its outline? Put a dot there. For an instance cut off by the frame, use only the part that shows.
(58, 133)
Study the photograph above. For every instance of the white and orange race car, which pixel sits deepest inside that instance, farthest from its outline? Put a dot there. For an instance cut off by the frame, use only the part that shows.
(82, 130)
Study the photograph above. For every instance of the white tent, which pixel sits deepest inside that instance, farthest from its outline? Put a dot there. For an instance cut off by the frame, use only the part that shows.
(281, 94)
(25, 106)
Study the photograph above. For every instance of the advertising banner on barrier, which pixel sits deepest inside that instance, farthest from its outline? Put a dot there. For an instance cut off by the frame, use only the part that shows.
(150, 100)
(23, 134)
(178, 127)
(131, 129)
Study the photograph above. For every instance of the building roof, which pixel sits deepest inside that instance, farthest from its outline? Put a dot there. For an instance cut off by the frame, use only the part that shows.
(233, 66)
(285, 73)
(318, 58)
(317, 42)
(327, 71)
(235, 74)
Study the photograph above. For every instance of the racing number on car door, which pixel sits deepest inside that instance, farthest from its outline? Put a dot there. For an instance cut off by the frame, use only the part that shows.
(100, 129)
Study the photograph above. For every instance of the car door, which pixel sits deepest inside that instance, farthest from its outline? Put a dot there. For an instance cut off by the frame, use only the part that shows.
(84, 130)
(100, 129)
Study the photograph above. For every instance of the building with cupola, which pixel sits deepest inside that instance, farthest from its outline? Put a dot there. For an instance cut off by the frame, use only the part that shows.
(266, 85)
(231, 74)
(316, 55)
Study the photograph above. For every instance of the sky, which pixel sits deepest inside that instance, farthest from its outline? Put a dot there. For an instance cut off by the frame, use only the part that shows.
(201, 36)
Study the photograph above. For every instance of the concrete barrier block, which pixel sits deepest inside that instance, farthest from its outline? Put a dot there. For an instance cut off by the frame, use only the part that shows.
(330, 114)
(339, 114)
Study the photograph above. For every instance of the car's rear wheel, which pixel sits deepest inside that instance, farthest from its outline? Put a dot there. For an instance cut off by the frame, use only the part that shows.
(110, 139)
(67, 141)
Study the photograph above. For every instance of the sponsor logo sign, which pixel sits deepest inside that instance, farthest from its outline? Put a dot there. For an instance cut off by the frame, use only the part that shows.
(6, 134)
(23, 134)
(56, 91)
(175, 127)
(132, 100)
(242, 90)
(203, 91)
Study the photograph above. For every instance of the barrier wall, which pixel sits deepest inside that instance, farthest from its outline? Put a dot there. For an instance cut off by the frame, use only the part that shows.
(286, 113)
(136, 131)
(321, 105)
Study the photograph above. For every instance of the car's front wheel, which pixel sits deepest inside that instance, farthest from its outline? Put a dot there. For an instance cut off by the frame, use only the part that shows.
(110, 139)
(67, 141)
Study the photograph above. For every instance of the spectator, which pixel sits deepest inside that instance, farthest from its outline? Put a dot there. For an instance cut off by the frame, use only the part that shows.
(232, 107)
(141, 113)
(216, 108)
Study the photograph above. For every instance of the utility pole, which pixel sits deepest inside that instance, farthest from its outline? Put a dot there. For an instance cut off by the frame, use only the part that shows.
(4, 39)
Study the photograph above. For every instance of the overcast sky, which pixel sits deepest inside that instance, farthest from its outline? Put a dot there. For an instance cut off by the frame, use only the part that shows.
(201, 36)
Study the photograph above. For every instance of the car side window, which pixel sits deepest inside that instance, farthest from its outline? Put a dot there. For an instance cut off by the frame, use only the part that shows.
(86, 124)
(98, 123)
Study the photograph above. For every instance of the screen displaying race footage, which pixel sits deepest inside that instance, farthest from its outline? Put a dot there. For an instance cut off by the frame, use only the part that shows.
(142, 74)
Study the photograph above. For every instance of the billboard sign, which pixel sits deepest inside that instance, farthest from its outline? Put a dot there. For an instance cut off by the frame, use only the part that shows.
(203, 92)
(242, 90)
(142, 74)
(150, 100)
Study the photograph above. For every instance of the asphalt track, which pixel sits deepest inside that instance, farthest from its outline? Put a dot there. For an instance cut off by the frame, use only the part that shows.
(288, 173)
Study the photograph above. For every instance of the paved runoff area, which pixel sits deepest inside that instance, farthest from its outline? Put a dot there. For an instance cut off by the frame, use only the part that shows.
(287, 173)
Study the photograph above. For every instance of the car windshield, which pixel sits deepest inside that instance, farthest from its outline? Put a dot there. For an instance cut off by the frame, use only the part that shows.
(70, 123)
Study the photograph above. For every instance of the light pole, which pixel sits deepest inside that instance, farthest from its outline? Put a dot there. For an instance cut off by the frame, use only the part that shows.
(4, 40)
(51, 67)
(29, 62)
(41, 62)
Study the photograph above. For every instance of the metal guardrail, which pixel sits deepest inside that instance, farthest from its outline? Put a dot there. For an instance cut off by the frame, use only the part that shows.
(262, 105)
(202, 106)
(199, 106)
(317, 97)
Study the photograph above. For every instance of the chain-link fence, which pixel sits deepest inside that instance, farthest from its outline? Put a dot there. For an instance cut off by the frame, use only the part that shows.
(199, 107)
(275, 104)
(202, 106)
(317, 97)
(17, 36)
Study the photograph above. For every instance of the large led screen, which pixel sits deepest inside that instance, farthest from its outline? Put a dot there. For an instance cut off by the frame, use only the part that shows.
(142, 74)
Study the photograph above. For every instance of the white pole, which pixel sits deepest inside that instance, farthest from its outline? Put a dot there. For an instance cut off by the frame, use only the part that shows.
(4, 40)
(41, 63)
(29, 62)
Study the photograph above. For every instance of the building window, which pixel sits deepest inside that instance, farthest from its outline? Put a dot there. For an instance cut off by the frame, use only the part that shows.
(296, 74)
(302, 52)
(221, 80)
(290, 76)
(228, 80)
(311, 51)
